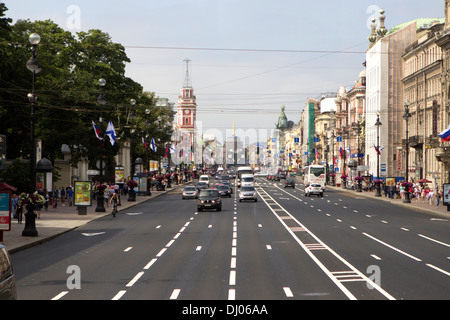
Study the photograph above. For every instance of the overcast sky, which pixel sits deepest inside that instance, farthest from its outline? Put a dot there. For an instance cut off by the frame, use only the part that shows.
(248, 57)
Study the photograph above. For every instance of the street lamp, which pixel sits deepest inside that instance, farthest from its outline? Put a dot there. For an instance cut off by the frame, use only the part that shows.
(101, 101)
(34, 66)
(378, 124)
(406, 116)
(132, 193)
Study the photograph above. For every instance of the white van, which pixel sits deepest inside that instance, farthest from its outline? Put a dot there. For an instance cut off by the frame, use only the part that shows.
(204, 178)
(247, 180)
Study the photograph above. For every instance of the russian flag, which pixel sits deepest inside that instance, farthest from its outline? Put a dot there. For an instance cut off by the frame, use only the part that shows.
(97, 131)
(445, 135)
(145, 144)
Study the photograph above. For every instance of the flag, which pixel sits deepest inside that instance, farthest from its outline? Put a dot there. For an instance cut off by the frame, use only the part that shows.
(378, 150)
(145, 143)
(167, 148)
(341, 151)
(97, 131)
(445, 135)
(317, 154)
(111, 133)
(172, 149)
(153, 145)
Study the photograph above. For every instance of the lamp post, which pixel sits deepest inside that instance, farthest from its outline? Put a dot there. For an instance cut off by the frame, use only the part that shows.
(333, 179)
(101, 101)
(358, 132)
(406, 116)
(32, 65)
(131, 192)
(378, 124)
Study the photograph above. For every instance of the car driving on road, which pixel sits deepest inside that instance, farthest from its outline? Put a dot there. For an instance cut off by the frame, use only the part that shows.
(189, 192)
(209, 199)
(313, 189)
(247, 193)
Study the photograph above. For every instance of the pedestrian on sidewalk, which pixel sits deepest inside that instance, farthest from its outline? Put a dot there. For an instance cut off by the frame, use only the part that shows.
(437, 196)
(62, 196)
(69, 195)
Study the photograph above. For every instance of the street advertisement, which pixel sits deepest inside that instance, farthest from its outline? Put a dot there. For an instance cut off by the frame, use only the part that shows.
(5, 211)
(119, 175)
(446, 194)
(83, 193)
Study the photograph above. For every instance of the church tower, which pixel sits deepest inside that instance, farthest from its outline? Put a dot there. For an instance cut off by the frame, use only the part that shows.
(187, 109)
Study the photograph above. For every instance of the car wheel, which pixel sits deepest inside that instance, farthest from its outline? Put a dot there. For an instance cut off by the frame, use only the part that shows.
(256, 200)
(240, 200)
(219, 209)
(200, 209)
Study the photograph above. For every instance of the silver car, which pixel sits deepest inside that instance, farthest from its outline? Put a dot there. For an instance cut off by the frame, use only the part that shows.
(247, 193)
(189, 192)
(7, 278)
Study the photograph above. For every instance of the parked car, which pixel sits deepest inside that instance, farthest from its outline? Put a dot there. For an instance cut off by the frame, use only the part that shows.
(7, 278)
(282, 175)
(289, 182)
(189, 192)
(313, 189)
(209, 199)
(247, 193)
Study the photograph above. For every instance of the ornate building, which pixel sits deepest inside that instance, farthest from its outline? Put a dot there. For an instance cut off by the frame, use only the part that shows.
(422, 69)
(186, 118)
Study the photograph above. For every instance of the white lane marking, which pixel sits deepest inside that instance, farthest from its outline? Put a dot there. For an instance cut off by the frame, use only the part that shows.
(375, 257)
(269, 247)
(119, 295)
(60, 295)
(127, 249)
(136, 278)
(158, 226)
(177, 235)
(354, 228)
(232, 281)
(234, 242)
(175, 294)
(392, 247)
(170, 243)
(384, 221)
(233, 263)
(92, 234)
(161, 252)
(438, 269)
(288, 292)
(186, 224)
(404, 229)
(231, 294)
(148, 265)
(210, 226)
(259, 225)
(434, 240)
(198, 248)
(233, 251)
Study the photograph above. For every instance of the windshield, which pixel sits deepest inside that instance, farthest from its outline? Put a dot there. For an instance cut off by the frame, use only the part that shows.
(248, 179)
(317, 171)
(222, 187)
(190, 189)
(247, 189)
(209, 193)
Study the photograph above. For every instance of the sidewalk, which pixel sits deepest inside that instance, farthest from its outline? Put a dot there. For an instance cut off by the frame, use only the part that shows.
(414, 205)
(54, 222)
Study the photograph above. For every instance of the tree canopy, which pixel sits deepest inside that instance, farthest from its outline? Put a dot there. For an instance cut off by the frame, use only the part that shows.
(67, 89)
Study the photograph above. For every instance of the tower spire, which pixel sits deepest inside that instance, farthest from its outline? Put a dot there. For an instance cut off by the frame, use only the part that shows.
(187, 81)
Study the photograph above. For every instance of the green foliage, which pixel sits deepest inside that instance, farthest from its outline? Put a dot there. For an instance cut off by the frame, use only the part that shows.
(67, 90)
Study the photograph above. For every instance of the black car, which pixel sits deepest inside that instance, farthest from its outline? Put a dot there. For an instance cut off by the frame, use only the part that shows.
(201, 185)
(209, 199)
(289, 182)
(224, 190)
(7, 278)
(282, 175)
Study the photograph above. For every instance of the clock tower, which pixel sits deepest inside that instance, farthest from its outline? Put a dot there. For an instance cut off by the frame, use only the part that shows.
(187, 108)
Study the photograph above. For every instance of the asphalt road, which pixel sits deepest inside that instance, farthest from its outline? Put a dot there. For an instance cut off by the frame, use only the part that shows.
(285, 246)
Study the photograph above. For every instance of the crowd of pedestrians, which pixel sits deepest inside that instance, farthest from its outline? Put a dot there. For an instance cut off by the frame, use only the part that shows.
(419, 192)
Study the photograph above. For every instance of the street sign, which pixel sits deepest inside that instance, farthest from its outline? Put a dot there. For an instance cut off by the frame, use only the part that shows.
(5, 211)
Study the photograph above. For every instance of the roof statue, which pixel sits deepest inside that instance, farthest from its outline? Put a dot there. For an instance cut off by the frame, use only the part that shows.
(282, 120)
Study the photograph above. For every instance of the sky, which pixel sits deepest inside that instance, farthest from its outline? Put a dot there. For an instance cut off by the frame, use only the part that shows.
(248, 57)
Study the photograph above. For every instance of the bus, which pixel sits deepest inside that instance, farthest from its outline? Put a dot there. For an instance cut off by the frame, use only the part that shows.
(315, 174)
(240, 171)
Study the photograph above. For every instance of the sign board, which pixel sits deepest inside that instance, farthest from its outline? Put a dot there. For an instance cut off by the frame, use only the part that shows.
(446, 194)
(83, 193)
(5, 211)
